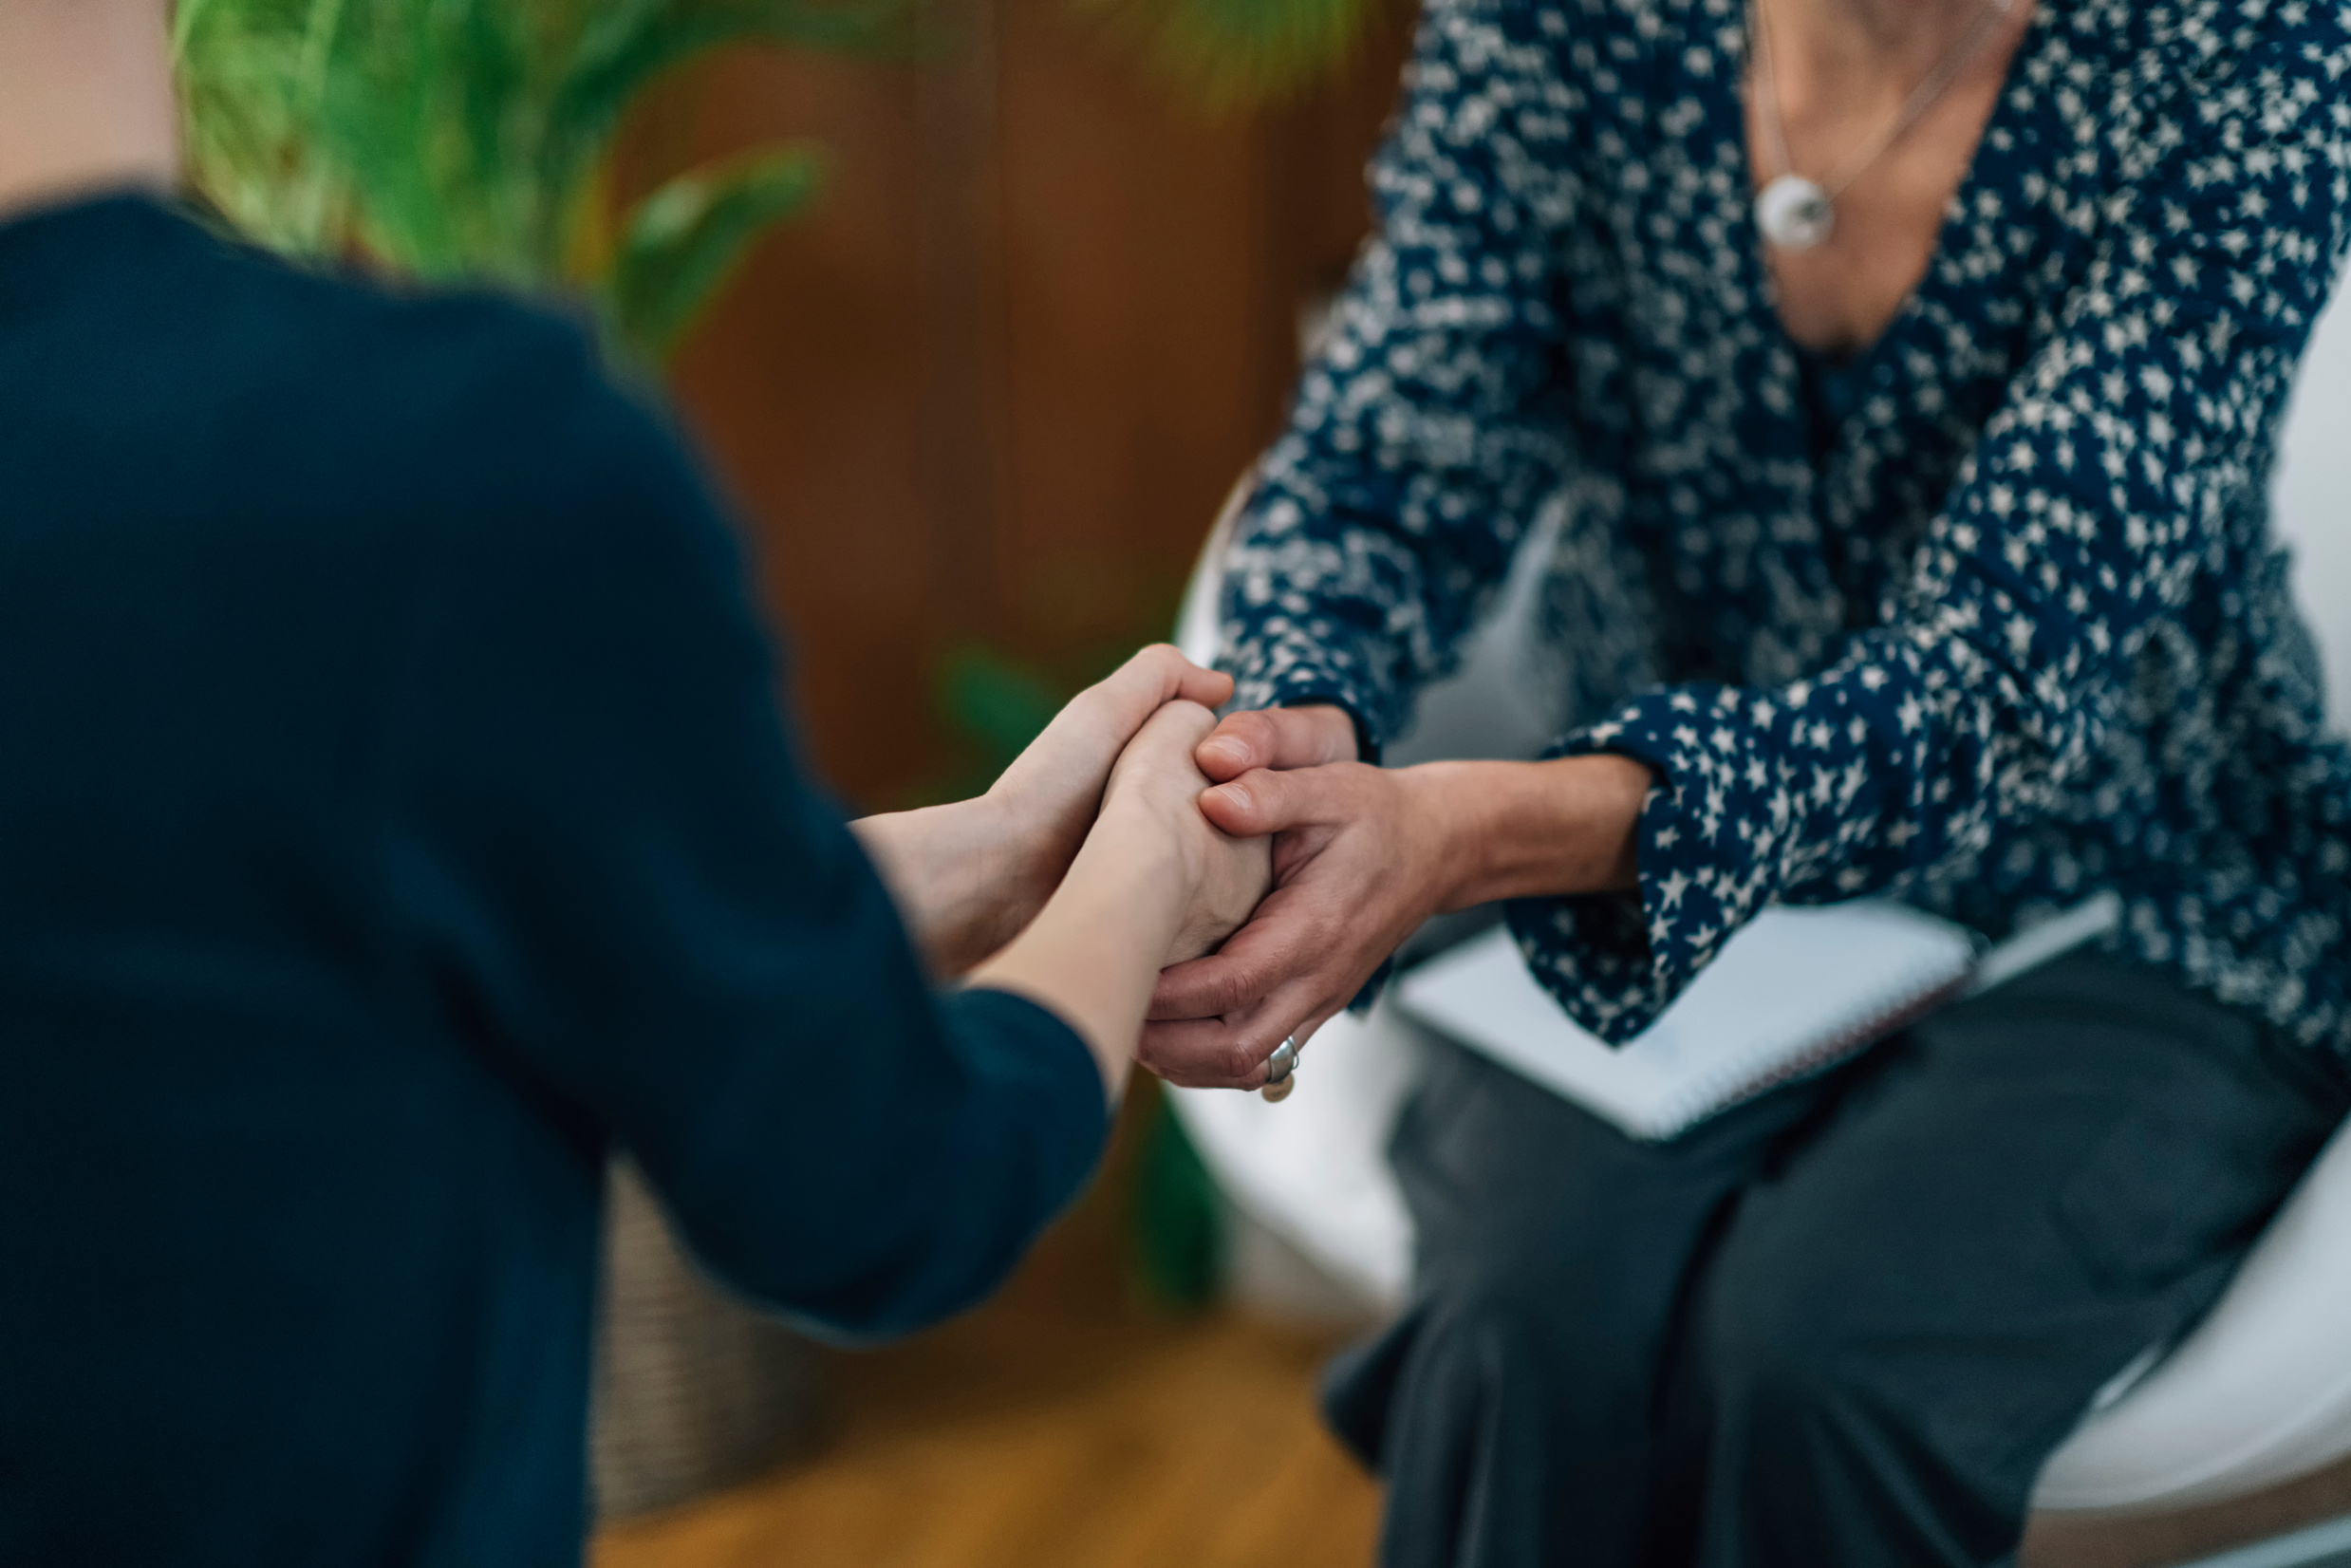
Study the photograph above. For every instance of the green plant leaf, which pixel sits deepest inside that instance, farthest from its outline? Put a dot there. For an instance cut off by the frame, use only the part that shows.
(997, 703)
(1177, 1222)
(632, 42)
(1227, 53)
(184, 18)
(470, 140)
(680, 245)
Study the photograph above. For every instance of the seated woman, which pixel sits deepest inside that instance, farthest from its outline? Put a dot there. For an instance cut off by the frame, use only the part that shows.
(1909, 370)
(395, 820)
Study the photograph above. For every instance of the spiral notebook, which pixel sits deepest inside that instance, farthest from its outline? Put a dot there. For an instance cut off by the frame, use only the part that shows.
(1796, 991)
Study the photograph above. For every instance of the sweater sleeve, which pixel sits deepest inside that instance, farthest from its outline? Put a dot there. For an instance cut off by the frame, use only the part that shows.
(1427, 430)
(631, 896)
(2105, 485)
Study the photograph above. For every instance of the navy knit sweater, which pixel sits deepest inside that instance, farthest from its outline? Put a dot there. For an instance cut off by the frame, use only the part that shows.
(395, 819)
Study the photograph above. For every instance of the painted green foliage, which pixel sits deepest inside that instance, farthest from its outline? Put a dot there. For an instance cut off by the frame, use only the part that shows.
(473, 139)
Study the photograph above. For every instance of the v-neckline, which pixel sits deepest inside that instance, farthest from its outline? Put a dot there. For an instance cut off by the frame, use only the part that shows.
(2007, 120)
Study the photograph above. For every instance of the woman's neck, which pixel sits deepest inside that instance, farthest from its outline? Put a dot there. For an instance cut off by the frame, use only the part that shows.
(85, 101)
(1842, 49)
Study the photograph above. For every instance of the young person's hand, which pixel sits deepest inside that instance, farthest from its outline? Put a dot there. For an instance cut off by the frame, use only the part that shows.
(1155, 882)
(1156, 790)
(969, 876)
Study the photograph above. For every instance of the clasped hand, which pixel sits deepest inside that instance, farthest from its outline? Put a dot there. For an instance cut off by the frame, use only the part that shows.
(1262, 869)
(1112, 775)
(1362, 857)
(1359, 862)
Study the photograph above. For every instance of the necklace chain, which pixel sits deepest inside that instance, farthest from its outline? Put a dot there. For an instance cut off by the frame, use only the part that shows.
(1922, 97)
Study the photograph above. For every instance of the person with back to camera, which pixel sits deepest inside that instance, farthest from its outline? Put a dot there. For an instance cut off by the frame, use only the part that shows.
(1910, 371)
(395, 818)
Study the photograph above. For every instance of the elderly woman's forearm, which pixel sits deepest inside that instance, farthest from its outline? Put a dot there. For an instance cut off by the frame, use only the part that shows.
(1536, 829)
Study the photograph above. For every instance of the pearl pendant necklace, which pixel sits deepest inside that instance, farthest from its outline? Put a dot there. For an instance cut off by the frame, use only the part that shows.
(1796, 214)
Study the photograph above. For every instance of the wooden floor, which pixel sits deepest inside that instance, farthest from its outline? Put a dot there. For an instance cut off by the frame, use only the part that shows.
(1069, 1422)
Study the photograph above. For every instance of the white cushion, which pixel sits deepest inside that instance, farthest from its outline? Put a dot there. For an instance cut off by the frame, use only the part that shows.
(2258, 1394)
(1314, 1168)
(2311, 496)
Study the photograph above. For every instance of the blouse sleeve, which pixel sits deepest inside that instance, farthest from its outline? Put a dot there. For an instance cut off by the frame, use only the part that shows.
(1427, 430)
(2097, 496)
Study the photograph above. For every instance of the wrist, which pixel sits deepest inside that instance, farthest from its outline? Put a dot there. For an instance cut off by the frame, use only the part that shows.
(959, 874)
(1133, 849)
(1453, 803)
(1090, 953)
(1342, 736)
(1034, 837)
(1534, 830)
(989, 880)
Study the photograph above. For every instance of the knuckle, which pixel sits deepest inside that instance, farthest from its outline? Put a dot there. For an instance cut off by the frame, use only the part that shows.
(1184, 1057)
(1230, 993)
(1243, 1065)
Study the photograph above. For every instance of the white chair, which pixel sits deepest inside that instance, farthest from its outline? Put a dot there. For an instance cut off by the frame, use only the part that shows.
(2258, 1395)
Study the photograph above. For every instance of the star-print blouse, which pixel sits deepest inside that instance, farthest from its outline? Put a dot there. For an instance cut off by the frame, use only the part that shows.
(2012, 631)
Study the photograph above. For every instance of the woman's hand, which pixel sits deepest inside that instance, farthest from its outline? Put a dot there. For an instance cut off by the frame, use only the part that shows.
(1362, 857)
(1153, 881)
(969, 876)
(1279, 738)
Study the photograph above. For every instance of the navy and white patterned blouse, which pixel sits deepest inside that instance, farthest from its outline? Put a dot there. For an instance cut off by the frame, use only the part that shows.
(2012, 631)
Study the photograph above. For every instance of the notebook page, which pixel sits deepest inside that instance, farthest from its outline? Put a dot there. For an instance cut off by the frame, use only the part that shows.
(1795, 989)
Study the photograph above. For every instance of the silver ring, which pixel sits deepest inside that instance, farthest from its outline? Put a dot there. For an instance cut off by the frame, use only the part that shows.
(1283, 1062)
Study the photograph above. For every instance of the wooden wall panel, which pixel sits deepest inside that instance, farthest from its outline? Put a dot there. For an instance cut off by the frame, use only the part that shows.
(804, 389)
(993, 389)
